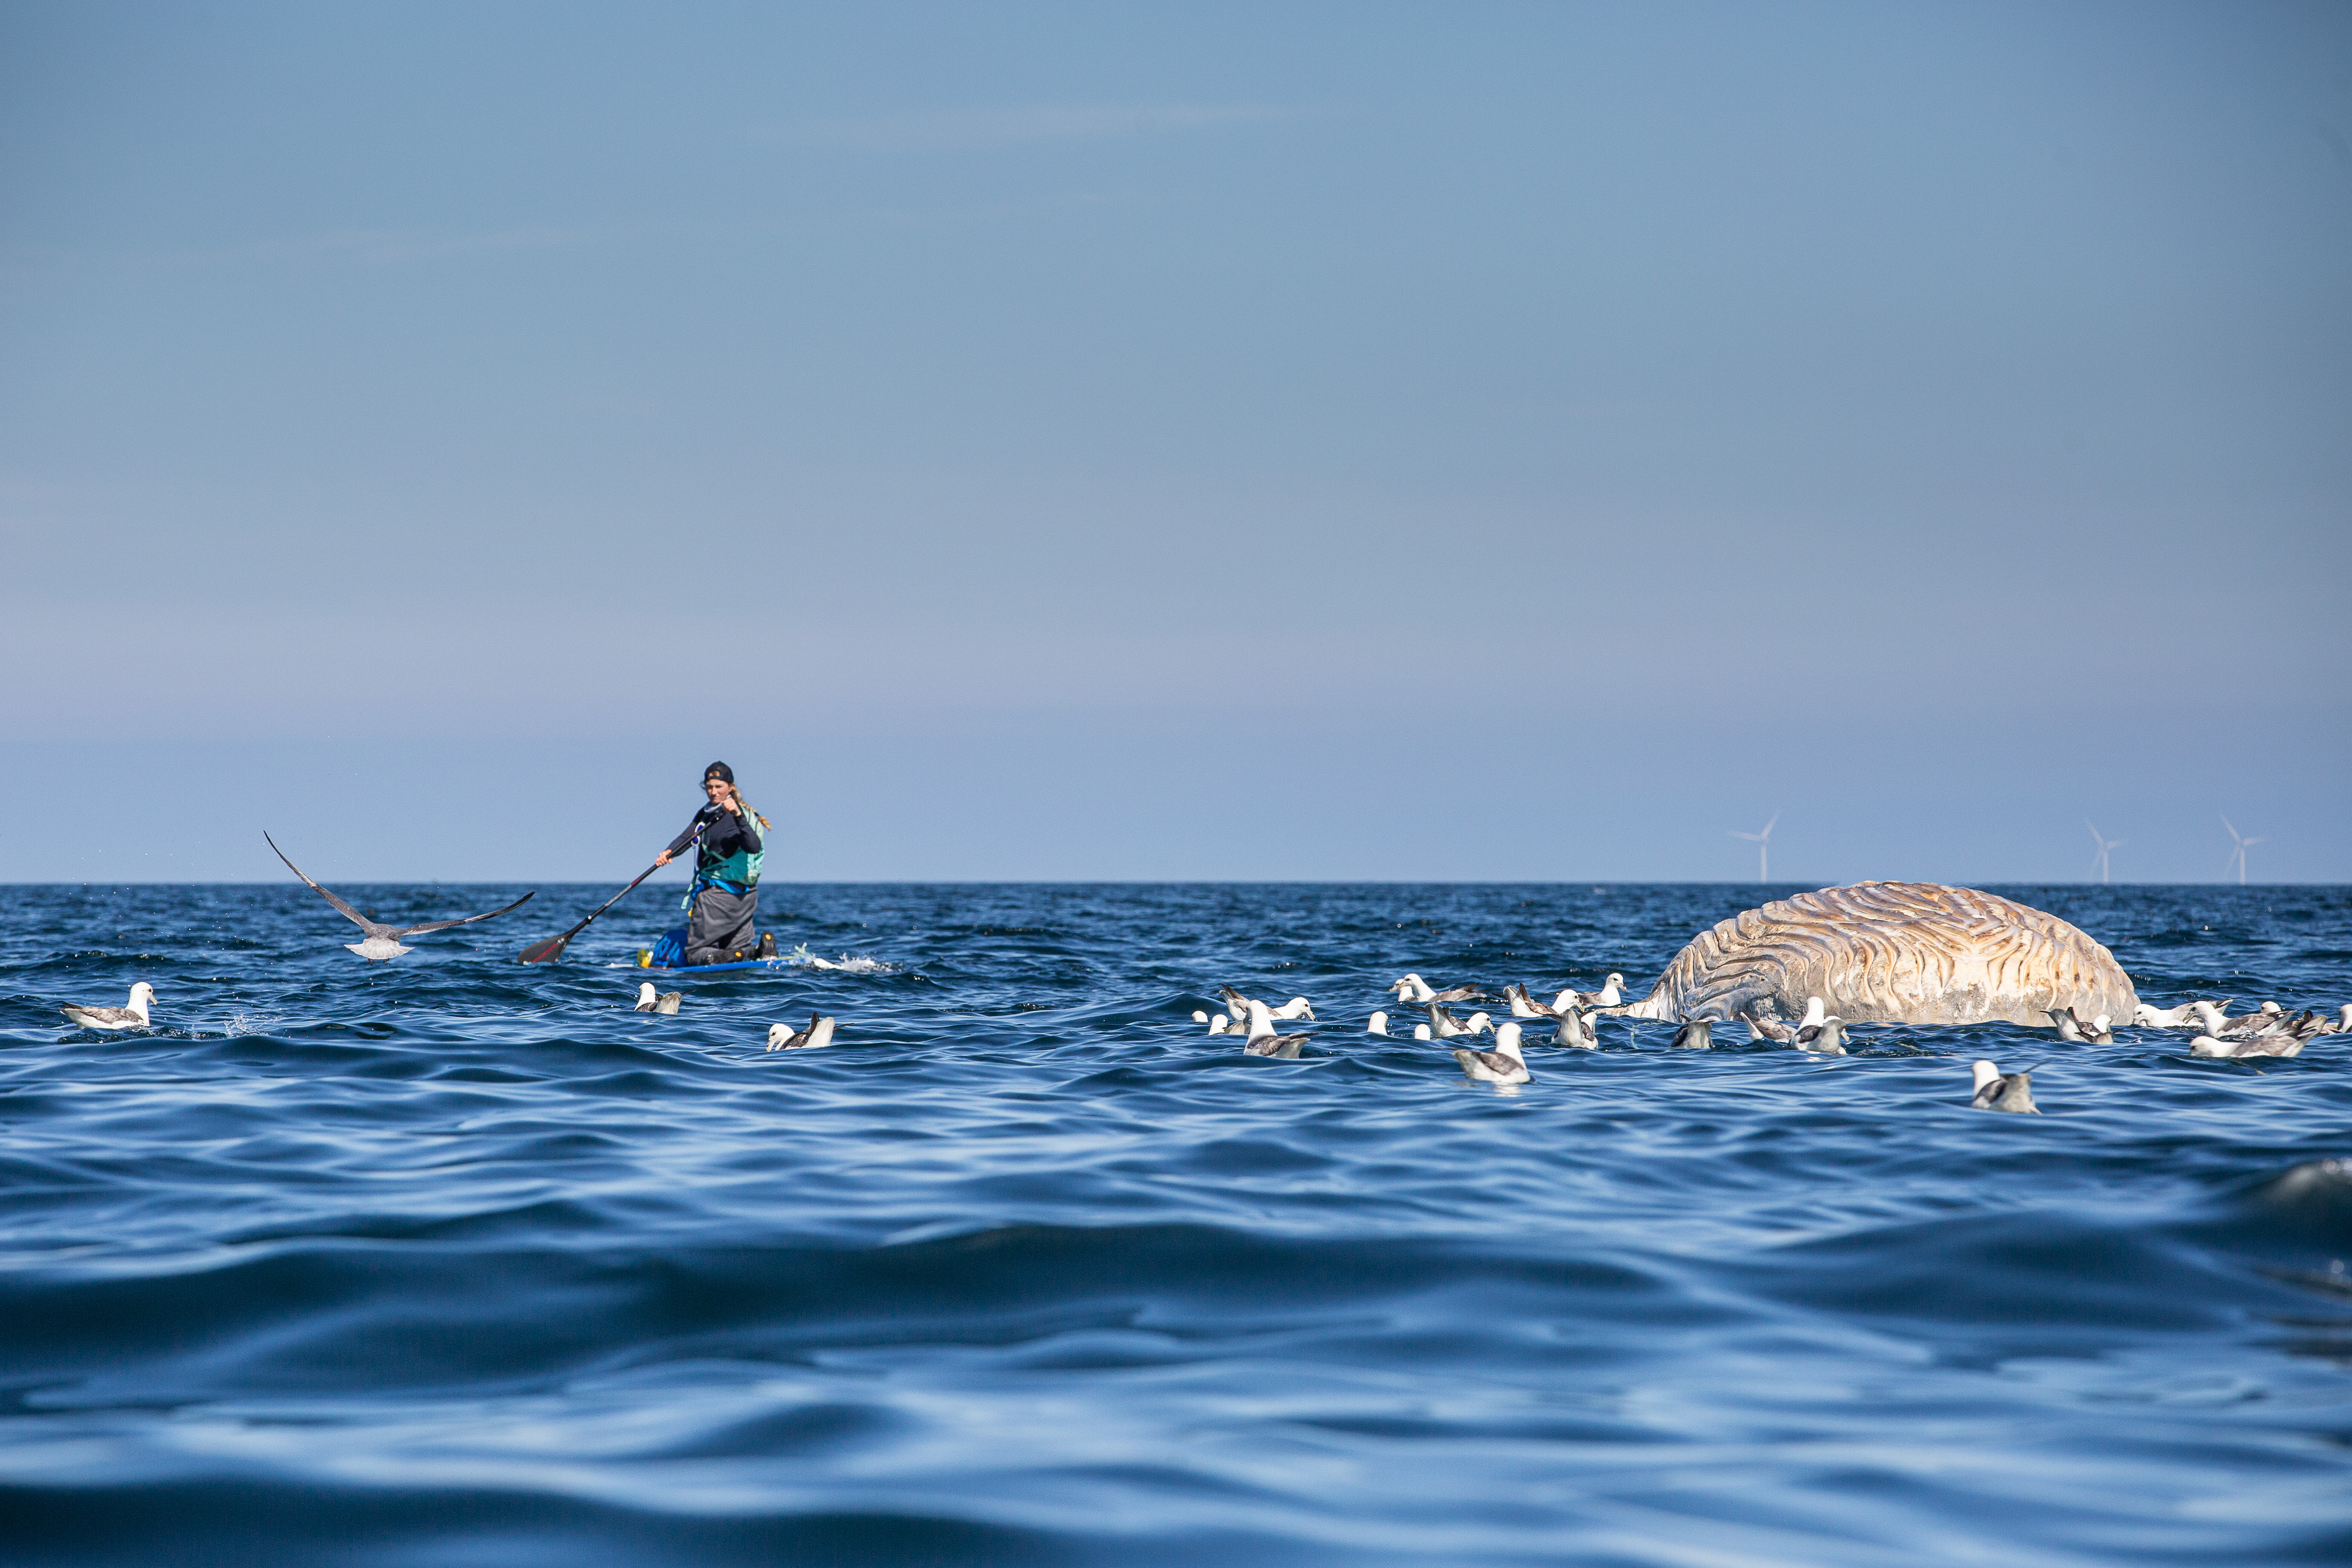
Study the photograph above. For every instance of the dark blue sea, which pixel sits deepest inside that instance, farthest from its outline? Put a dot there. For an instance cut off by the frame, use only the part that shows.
(451, 1261)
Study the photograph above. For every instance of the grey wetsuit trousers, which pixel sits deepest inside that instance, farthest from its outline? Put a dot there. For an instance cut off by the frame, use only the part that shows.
(720, 925)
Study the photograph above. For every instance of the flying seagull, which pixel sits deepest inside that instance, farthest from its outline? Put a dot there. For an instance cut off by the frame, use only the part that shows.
(384, 941)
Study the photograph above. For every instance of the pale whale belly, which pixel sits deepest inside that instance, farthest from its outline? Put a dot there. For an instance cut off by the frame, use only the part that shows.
(1892, 953)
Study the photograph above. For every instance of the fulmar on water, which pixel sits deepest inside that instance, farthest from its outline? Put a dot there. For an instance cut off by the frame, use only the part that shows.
(133, 1016)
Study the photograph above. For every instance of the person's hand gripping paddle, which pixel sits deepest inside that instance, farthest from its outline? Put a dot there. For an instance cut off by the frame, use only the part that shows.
(550, 949)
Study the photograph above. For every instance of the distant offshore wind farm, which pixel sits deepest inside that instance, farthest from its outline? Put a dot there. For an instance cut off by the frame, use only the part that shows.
(2102, 865)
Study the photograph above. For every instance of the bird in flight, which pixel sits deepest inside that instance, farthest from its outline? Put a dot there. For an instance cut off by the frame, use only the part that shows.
(384, 941)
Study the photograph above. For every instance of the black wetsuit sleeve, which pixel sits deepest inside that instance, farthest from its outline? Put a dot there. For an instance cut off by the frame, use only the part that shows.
(680, 842)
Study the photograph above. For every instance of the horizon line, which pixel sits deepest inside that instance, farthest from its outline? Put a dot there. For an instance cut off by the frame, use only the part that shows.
(1156, 882)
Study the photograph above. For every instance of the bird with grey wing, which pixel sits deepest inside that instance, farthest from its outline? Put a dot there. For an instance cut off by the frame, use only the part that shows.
(1575, 1027)
(2099, 1031)
(1998, 1090)
(1506, 1064)
(1262, 1041)
(816, 1037)
(133, 1016)
(1696, 1034)
(384, 941)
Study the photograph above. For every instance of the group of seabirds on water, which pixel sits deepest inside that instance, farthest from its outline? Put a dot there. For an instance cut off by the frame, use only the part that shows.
(2268, 1031)
(721, 903)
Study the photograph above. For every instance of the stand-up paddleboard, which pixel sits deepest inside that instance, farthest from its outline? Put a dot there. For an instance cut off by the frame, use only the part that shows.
(715, 968)
(799, 958)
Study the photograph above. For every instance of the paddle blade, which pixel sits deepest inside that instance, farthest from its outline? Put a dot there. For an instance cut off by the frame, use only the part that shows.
(546, 951)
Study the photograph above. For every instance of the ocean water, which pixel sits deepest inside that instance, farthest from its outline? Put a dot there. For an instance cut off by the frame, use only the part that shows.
(452, 1261)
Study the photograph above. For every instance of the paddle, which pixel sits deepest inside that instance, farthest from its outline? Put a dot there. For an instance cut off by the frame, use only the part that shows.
(550, 949)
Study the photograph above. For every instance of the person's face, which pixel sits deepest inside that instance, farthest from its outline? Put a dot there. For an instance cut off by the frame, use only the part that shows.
(718, 789)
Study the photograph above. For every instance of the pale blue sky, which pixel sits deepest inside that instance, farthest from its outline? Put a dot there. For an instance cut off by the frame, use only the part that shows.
(1309, 441)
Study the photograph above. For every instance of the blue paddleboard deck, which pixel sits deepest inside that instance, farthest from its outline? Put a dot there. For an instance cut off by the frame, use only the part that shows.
(715, 968)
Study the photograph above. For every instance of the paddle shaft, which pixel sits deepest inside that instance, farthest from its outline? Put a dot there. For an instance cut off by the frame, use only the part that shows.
(546, 951)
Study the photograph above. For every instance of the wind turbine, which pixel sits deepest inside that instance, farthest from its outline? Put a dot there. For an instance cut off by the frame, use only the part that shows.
(1763, 842)
(2099, 861)
(2238, 855)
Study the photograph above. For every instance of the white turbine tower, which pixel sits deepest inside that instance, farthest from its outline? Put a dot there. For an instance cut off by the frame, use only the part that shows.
(2238, 852)
(1763, 842)
(2099, 861)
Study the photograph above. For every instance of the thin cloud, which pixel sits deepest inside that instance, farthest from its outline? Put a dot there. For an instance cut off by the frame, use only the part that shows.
(954, 129)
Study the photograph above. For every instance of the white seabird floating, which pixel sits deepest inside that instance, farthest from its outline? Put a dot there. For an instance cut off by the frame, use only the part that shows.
(666, 1004)
(1825, 1038)
(1446, 1025)
(784, 1038)
(1504, 1063)
(1413, 989)
(1610, 994)
(1524, 1005)
(1998, 1090)
(2246, 1046)
(2181, 1018)
(1239, 1005)
(2099, 1031)
(133, 1016)
(1263, 1042)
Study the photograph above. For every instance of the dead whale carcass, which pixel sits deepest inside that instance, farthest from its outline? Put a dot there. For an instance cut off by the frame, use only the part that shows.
(1892, 953)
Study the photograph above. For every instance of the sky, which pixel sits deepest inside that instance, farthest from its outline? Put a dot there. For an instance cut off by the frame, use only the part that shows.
(1258, 442)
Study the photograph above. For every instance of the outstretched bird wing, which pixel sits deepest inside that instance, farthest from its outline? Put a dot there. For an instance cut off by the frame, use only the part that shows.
(444, 925)
(350, 914)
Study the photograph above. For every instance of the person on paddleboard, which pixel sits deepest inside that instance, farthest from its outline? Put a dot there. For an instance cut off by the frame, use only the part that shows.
(725, 894)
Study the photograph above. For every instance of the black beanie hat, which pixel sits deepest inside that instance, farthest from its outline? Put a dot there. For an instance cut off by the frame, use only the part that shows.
(719, 770)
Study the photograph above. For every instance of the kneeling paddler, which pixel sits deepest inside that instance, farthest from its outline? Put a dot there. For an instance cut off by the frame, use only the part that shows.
(725, 894)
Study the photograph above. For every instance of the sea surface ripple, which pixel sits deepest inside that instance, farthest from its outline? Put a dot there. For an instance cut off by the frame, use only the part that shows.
(453, 1261)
